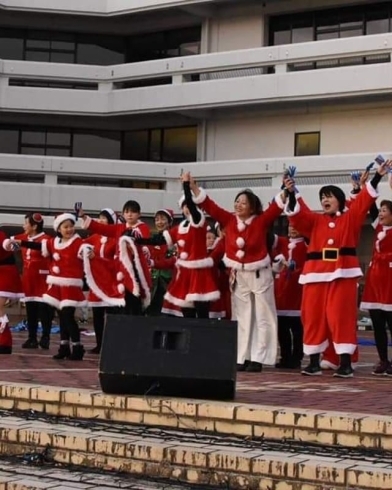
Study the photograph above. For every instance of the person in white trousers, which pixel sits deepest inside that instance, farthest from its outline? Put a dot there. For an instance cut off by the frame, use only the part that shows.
(247, 232)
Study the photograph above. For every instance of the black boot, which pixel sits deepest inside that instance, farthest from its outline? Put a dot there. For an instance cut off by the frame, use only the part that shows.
(30, 344)
(77, 352)
(44, 342)
(63, 353)
(254, 367)
(313, 369)
(345, 369)
(242, 367)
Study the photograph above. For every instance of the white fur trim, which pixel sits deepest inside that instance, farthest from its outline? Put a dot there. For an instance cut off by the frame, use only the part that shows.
(64, 303)
(44, 248)
(279, 202)
(295, 211)
(315, 349)
(324, 364)
(61, 218)
(94, 286)
(181, 243)
(59, 245)
(196, 264)
(127, 263)
(111, 213)
(177, 301)
(103, 239)
(9, 295)
(240, 225)
(98, 304)
(201, 197)
(278, 263)
(168, 238)
(375, 223)
(86, 222)
(295, 313)
(247, 266)
(371, 190)
(184, 255)
(211, 296)
(169, 311)
(381, 235)
(375, 306)
(7, 245)
(291, 245)
(313, 277)
(119, 276)
(240, 242)
(64, 281)
(56, 269)
(28, 299)
(202, 221)
(240, 254)
(56, 256)
(121, 288)
(345, 348)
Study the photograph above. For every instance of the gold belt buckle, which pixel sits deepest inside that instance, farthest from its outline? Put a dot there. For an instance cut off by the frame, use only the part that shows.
(325, 251)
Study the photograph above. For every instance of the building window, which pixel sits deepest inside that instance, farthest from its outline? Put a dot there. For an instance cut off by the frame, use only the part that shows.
(45, 142)
(307, 144)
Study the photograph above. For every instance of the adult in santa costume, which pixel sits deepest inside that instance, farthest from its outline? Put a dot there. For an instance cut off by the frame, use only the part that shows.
(35, 273)
(331, 271)
(289, 260)
(132, 267)
(10, 288)
(65, 281)
(100, 272)
(247, 254)
(162, 262)
(377, 294)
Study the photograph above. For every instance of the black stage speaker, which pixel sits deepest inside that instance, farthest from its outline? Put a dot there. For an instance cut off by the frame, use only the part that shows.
(184, 357)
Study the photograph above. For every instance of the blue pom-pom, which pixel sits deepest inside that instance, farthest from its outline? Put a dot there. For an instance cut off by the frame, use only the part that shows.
(356, 176)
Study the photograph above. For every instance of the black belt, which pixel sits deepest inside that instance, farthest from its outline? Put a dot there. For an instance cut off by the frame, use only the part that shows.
(8, 261)
(331, 254)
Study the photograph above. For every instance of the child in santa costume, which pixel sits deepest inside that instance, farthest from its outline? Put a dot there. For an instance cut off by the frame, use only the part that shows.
(194, 286)
(10, 288)
(377, 294)
(132, 266)
(289, 260)
(162, 262)
(99, 268)
(247, 254)
(65, 281)
(35, 273)
(331, 271)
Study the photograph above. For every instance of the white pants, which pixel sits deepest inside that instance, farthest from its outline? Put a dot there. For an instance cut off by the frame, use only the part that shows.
(256, 316)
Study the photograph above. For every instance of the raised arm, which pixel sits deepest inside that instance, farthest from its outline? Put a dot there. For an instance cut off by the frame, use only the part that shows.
(193, 209)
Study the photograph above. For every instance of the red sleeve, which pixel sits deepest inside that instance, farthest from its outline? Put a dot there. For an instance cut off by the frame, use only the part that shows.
(4, 254)
(362, 204)
(112, 231)
(144, 230)
(209, 206)
(164, 263)
(271, 214)
(218, 252)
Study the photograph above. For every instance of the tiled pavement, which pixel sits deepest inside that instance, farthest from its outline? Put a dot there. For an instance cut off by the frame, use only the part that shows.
(364, 393)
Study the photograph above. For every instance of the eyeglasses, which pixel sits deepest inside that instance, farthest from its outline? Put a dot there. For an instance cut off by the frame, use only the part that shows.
(37, 218)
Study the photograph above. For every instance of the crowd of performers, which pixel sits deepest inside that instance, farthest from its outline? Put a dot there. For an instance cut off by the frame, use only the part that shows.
(297, 291)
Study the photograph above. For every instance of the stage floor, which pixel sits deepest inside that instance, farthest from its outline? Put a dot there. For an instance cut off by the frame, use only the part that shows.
(364, 393)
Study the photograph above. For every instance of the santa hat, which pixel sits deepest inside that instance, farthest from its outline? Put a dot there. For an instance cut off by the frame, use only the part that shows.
(167, 212)
(110, 215)
(61, 218)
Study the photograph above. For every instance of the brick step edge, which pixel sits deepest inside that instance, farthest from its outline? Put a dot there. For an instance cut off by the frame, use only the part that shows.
(243, 420)
(233, 468)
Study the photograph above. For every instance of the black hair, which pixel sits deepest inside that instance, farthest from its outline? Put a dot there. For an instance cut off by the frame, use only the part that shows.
(386, 203)
(38, 221)
(254, 201)
(108, 216)
(132, 206)
(333, 190)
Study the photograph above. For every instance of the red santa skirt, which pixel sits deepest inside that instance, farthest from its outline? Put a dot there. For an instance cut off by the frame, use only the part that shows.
(34, 285)
(63, 296)
(377, 293)
(191, 285)
(10, 282)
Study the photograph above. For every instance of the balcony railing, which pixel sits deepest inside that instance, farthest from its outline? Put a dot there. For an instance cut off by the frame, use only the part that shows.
(35, 182)
(207, 80)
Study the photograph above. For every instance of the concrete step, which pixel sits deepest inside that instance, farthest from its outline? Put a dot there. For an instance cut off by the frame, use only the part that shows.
(191, 457)
(239, 419)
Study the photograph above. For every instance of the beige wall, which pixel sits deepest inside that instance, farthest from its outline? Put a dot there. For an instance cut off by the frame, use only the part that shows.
(238, 32)
(342, 132)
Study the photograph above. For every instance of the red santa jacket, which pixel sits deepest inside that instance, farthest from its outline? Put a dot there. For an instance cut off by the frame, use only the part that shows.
(133, 272)
(33, 261)
(190, 240)
(333, 239)
(66, 266)
(288, 291)
(246, 242)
